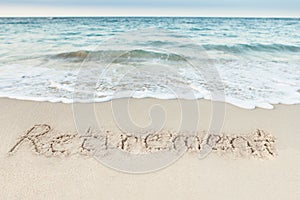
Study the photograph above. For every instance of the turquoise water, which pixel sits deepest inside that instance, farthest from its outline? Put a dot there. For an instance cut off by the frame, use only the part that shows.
(258, 60)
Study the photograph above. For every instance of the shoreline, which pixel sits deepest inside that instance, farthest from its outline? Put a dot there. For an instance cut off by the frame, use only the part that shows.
(65, 101)
(29, 175)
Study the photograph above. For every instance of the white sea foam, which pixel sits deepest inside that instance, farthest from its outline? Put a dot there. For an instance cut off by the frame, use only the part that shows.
(242, 88)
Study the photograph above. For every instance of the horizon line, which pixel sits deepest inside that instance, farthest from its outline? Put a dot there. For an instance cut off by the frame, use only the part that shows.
(144, 16)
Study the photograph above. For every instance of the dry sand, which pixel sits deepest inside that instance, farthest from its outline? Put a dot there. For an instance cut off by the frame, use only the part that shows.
(25, 174)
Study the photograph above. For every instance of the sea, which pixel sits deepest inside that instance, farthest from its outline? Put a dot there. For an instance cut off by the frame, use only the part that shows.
(251, 62)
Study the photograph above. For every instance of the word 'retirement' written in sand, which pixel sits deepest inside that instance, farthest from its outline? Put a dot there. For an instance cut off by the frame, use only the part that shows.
(44, 140)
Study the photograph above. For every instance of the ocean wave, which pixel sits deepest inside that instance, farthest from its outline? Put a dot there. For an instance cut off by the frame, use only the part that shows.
(135, 55)
(244, 48)
(139, 54)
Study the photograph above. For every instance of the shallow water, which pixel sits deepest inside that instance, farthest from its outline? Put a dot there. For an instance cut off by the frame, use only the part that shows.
(257, 60)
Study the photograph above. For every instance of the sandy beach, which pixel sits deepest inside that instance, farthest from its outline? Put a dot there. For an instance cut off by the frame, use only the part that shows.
(25, 174)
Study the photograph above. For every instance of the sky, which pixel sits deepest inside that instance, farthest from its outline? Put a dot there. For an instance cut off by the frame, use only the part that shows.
(233, 8)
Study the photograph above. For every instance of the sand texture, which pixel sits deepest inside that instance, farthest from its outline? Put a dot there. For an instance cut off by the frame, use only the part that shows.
(44, 155)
